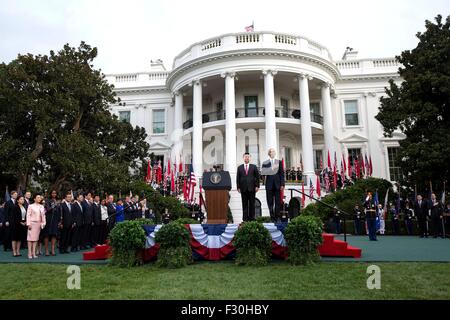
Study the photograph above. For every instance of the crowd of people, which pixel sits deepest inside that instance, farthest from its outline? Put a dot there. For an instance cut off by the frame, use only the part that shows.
(429, 216)
(74, 223)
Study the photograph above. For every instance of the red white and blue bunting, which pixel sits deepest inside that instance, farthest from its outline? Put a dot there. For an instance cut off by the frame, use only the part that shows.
(215, 241)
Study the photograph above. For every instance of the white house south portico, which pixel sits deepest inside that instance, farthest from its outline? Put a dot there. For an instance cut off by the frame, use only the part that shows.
(248, 92)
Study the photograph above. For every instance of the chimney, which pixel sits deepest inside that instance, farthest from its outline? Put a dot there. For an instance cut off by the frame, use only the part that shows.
(157, 65)
(349, 54)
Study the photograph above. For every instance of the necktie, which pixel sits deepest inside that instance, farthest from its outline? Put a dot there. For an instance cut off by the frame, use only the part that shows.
(246, 169)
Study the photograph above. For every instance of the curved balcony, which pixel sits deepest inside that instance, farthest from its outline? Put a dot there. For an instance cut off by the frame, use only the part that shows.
(280, 112)
(251, 40)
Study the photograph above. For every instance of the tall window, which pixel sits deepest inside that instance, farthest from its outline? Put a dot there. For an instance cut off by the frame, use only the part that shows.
(353, 153)
(351, 112)
(315, 108)
(159, 125)
(394, 169)
(251, 106)
(124, 116)
(317, 158)
(189, 114)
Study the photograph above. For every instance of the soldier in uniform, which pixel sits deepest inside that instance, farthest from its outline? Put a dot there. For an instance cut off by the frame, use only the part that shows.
(357, 219)
(437, 214)
(371, 216)
(394, 215)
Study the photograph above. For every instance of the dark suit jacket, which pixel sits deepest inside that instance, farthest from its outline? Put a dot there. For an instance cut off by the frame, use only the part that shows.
(97, 214)
(111, 211)
(66, 215)
(274, 182)
(9, 211)
(421, 211)
(247, 182)
(77, 214)
(88, 212)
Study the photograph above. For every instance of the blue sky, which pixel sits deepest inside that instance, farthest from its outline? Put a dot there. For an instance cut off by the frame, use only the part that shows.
(130, 33)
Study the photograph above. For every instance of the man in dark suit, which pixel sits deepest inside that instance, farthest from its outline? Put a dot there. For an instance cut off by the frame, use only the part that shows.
(77, 214)
(97, 219)
(88, 221)
(111, 212)
(66, 223)
(247, 182)
(273, 170)
(421, 212)
(10, 206)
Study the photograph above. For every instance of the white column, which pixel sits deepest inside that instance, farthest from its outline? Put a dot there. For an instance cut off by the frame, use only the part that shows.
(269, 101)
(307, 146)
(177, 135)
(197, 141)
(327, 120)
(230, 124)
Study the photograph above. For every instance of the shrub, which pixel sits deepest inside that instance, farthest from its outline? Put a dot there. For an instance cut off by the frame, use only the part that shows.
(253, 244)
(187, 221)
(175, 250)
(303, 236)
(127, 240)
(264, 219)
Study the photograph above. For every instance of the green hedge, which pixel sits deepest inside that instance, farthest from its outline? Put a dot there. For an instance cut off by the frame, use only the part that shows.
(127, 239)
(253, 244)
(303, 235)
(175, 250)
(346, 199)
(187, 221)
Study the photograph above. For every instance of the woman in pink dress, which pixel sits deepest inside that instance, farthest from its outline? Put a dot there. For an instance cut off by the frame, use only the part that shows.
(35, 223)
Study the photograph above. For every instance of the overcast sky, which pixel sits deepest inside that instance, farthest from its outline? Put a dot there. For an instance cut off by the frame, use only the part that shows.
(130, 33)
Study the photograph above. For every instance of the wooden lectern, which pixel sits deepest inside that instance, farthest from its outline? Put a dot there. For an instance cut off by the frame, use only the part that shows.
(217, 185)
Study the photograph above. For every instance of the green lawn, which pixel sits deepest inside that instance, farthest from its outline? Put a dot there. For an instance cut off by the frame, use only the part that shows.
(224, 280)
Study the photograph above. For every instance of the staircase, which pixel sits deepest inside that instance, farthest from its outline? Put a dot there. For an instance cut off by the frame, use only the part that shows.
(101, 252)
(337, 248)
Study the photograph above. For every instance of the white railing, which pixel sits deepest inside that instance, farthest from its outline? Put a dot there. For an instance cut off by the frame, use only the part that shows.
(348, 64)
(248, 37)
(249, 40)
(211, 44)
(126, 78)
(384, 63)
(281, 38)
(158, 75)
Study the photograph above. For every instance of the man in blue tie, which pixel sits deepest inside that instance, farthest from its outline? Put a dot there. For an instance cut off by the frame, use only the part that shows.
(247, 182)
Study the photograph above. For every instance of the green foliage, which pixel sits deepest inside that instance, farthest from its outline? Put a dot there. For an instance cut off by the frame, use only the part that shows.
(175, 250)
(60, 104)
(253, 244)
(187, 221)
(263, 219)
(419, 107)
(158, 203)
(303, 235)
(346, 199)
(127, 240)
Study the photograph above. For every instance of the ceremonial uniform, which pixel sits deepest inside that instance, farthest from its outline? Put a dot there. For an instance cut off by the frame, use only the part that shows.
(357, 216)
(371, 217)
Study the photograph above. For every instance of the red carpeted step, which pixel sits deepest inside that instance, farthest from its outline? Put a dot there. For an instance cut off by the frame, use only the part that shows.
(337, 248)
(354, 252)
(100, 252)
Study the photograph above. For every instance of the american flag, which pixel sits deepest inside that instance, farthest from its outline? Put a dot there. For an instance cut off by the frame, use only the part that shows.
(249, 28)
(311, 188)
(192, 182)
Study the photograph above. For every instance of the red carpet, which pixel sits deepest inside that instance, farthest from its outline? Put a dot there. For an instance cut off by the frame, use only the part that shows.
(337, 248)
(329, 248)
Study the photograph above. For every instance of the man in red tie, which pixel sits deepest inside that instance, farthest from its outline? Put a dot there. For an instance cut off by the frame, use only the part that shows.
(247, 181)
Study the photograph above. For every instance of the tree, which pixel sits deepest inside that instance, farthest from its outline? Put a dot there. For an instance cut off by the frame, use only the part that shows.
(420, 106)
(56, 128)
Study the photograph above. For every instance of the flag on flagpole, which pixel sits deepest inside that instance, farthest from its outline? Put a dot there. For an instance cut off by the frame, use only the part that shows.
(148, 177)
(362, 166)
(357, 167)
(185, 194)
(180, 169)
(342, 173)
(321, 164)
(443, 196)
(335, 178)
(303, 194)
(329, 159)
(159, 172)
(318, 186)
(168, 168)
(192, 182)
(386, 200)
(250, 28)
(375, 198)
(301, 163)
(349, 167)
(370, 165)
(172, 183)
(200, 197)
(367, 165)
(311, 188)
(345, 165)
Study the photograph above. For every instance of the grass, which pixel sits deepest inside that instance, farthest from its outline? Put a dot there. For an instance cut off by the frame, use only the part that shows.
(225, 280)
